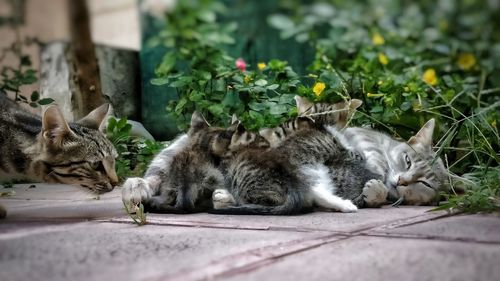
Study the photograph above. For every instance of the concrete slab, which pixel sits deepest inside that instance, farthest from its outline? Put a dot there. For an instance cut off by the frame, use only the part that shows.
(477, 228)
(373, 258)
(54, 201)
(317, 221)
(112, 251)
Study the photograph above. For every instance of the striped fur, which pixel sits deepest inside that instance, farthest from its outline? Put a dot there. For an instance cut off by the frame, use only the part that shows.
(294, 176)
(312, 115)
(182, 178)
(48, 149)
(410, 170)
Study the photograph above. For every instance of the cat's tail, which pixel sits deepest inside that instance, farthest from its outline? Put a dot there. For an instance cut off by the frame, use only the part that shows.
(294, 204)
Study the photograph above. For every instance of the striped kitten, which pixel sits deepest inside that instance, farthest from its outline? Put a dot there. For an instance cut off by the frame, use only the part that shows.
(51, 150)
(410, 170)
(305, 167)
(292, 177)
(312, 115)
(182, 178)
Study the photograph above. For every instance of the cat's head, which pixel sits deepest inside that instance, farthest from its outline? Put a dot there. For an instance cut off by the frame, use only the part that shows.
(220, 141)
(312, 115)
(78, 153)
(415, 166)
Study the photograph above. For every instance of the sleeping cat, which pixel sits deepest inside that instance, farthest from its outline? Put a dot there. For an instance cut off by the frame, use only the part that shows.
(48, 149)
(410, 170)
(182, 178)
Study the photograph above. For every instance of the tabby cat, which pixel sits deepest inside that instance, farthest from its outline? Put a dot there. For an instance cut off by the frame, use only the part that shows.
(49, 149)
(307, 168)
(410, 170)
(182, 178)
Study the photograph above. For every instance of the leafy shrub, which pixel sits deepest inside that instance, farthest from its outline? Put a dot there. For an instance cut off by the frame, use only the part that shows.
(134, 153)
(407, 61)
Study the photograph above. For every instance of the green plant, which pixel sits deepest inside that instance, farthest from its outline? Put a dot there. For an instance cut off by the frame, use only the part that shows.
(134, 153)
(137, 214)
(14, 77)
(408, 61)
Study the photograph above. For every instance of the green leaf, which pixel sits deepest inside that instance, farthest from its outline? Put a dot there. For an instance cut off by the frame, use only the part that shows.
(279, 21)
(45, 101)
(167, 63)
(273, 86)
(35, 96)
(159, 81)
(261, 82)
(216, 109)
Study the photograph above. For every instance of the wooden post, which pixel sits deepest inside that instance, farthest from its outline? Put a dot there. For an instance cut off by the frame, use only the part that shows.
(85, 74)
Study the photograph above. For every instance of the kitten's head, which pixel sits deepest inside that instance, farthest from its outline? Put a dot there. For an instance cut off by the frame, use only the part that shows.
(312, 115)
(78, 153)
(414, 164)
(221, 142)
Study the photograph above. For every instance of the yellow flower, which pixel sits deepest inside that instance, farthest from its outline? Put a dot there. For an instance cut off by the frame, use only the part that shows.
(370, 95)
(382, 58)
(429, 77)
(261, 65)
(318, 88)
(466, 61)
(247, 79)
(377, 39)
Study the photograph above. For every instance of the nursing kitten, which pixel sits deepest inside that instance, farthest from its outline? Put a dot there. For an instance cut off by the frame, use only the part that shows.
(410, 170)
(182, 178)
(312, 115)
(292, 177)
(306, 167)
(48, 149)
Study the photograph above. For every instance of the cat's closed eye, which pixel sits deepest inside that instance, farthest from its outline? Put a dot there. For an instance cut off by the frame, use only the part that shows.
(97, 166)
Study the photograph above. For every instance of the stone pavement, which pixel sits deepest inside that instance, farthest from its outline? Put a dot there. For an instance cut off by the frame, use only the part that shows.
(59, 232)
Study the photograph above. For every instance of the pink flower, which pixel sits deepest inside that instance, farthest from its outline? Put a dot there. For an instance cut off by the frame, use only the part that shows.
(241, 64)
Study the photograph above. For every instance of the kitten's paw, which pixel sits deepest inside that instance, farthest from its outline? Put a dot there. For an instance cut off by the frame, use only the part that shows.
(347, 207)
(375, 193)
(221, 198)
(135, 191)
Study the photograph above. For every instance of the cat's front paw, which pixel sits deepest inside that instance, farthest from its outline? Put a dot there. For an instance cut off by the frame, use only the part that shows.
(347, 207)
(221, 198)
(135, 191)
(375, 193)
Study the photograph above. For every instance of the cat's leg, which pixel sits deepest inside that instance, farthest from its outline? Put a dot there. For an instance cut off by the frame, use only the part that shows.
(375, 193)
(323, 190)
(3, 212)
(221, 198)
(417, 194)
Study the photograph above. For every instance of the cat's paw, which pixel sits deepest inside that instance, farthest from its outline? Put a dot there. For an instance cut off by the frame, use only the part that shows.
(347, 207)
(135, 191)
(221, 198)
(375, 193)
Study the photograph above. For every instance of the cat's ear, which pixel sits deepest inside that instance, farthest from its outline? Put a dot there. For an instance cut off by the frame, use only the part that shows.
(424, 136)
(354, 104)
(97, 118)
(54, 126)
(303, 104)
(197, 122)
(234, 119)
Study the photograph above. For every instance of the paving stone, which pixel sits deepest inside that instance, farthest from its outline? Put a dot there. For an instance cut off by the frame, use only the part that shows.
(481, 228)
(114, 251)
(317, 221)
(375, 258)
